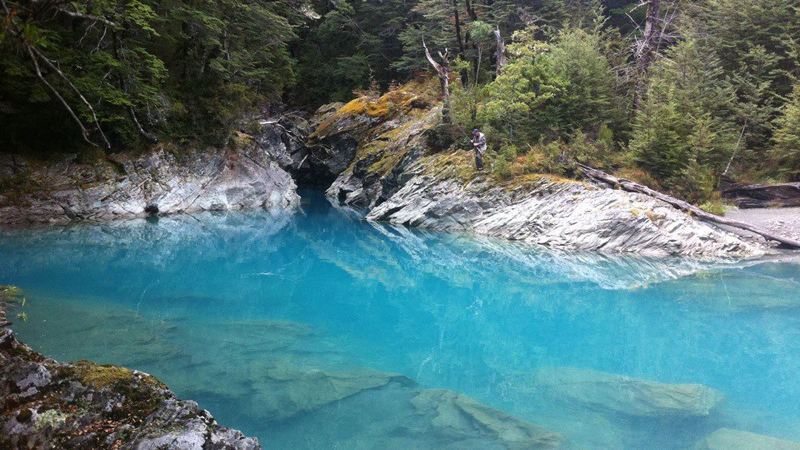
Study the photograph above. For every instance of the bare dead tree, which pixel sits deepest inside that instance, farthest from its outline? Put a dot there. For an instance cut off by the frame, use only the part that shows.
(500, 53)
(443, 72)
(653, 38)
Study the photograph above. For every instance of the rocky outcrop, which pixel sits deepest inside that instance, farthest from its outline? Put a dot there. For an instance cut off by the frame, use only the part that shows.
(45, 404)
(764, 195)
(398, 174)
(246, 174)
(558, 214)
(727, 439)
(626, 395)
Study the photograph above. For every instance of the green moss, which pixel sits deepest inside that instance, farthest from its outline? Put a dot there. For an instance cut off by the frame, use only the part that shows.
(457, 165)
(715, 207)
(115, 377)
(385, 164)
(51, 418)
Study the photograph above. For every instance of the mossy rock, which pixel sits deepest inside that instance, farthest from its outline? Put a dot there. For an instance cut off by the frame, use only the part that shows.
(114, 377)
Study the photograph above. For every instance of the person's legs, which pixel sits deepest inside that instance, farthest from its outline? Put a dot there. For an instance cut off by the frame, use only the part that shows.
(478, 161)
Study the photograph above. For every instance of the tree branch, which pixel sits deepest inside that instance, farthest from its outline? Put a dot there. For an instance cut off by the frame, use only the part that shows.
(55, 92)
(52, 66)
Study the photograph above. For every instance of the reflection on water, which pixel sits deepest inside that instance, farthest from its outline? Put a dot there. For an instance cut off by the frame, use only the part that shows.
(316, 330)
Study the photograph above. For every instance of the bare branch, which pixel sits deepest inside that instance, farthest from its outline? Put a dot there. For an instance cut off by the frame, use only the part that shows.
(79, 15)
(55, 92)
(52, 66)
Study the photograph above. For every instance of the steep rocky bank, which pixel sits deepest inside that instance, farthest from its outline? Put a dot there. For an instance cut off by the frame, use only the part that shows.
(252, 171)
(400, 176)
(386, 154)
(45, 404)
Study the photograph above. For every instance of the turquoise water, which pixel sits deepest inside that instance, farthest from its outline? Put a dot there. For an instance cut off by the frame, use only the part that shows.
(316, 330)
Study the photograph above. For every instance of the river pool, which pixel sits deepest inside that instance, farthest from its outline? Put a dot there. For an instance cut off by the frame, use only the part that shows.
(317, 330)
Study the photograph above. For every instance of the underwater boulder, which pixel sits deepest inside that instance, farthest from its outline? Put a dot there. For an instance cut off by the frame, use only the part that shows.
(286, 391)
(627, 395)
(459, 417)
(727, 439)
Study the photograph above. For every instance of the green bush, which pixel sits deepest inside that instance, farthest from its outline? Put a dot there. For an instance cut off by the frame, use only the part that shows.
(502, 169)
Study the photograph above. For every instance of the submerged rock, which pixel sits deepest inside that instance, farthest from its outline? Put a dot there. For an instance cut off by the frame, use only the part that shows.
(727, 439)
(46, 404)
(458, 416)
(626, 395)
(287, 391)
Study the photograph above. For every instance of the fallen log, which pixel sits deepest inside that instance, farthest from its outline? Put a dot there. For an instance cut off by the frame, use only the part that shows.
(630, 186)
(782, 195)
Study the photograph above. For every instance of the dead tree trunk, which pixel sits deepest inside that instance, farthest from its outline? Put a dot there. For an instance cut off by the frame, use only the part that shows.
(500, 53)
(646, 47)
(630, 186)
(443, 72)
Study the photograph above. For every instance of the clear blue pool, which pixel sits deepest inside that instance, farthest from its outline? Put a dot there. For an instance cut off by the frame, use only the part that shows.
(316, 330)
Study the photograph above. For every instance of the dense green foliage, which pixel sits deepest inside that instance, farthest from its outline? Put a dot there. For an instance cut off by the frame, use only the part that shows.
(181, 69)
(716, 99)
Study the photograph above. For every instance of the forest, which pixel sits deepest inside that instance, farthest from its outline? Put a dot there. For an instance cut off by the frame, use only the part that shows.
(681, 95)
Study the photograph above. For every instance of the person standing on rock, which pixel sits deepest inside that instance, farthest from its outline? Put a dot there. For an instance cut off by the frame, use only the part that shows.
(479, 143)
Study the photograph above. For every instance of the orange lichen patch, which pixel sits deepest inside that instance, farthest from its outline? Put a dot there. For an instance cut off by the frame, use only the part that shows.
(354, 107)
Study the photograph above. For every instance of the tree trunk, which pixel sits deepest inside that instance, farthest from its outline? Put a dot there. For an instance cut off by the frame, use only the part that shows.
(443, 72)
(630, 186)
(457, 18)
(500, 53)
(645, 50)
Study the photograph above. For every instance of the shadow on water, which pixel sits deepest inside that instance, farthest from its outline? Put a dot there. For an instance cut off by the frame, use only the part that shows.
(314, 329)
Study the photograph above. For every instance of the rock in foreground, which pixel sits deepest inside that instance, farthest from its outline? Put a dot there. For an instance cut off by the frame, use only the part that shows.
(49, 405)
(727, 439)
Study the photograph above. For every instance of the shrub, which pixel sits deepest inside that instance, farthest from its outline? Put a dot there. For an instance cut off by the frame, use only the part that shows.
(502, 169)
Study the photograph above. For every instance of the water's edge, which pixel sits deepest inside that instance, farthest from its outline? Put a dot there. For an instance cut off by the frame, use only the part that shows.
(83, 405)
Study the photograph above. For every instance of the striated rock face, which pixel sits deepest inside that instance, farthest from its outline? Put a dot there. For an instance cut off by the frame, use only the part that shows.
(727, 439)
(247, 174)
(558, 214)
(49, 405)
(401, 179)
